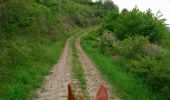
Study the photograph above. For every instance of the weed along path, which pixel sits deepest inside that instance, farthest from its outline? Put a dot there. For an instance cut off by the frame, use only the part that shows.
(55, 85)
(92, 75)
(75, 68)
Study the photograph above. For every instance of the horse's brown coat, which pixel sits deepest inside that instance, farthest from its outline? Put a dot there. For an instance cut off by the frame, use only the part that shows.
(101, 94)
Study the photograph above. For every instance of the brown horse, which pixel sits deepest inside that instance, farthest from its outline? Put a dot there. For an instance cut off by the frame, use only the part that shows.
(101, 94)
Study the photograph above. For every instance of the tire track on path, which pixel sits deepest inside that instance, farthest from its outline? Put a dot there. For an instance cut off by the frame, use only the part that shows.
(55, 85)
(93, 76)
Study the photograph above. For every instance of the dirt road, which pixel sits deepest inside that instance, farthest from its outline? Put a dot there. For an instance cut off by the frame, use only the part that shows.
(55, 85)
(93, 76)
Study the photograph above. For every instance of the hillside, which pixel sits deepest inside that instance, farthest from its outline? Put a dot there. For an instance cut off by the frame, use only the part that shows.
(32, 37)
(47, 44)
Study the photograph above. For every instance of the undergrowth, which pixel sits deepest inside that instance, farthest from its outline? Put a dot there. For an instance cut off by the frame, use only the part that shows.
(128, 87)
(31, 61)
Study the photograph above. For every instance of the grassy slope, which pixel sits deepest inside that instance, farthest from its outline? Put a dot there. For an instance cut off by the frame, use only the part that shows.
(32, 62)
(31, 41)
(128, 87)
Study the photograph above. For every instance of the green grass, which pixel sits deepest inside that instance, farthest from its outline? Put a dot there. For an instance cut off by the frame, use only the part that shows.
(127, 86)
(31, 61)
(77, 68)
(28, 43)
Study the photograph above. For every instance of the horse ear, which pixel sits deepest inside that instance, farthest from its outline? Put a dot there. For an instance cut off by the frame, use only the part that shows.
(81, 96)
(70, 93)
(102, 93)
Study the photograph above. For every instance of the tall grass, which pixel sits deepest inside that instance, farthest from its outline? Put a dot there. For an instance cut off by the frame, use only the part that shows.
(31, 61)
(127, 86)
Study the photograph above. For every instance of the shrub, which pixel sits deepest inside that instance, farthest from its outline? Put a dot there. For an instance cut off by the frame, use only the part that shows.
(136, 22)
(152, 50)
(108, 43)
(132, 48)
(146, 61)
(141, 58)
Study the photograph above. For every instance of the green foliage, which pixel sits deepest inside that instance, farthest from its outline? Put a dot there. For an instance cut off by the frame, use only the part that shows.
(109, 22)
(77, 68)
(138, 41)
(141, 58)
(124, 11)
(127, 86)
(136, 22)
(24, 65)
(104, 8)
(32, 35)
(146, 61)
(83, 1)
(132, 48)
(108, 43)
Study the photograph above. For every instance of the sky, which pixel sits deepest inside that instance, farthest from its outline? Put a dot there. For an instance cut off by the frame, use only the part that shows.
(143, 5)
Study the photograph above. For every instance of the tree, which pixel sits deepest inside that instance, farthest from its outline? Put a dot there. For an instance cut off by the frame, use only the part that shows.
(136, 22)
(124, 11)
(109, 6)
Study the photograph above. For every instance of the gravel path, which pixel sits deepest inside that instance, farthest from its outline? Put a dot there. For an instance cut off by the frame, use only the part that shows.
(55, 85)
(93, 76)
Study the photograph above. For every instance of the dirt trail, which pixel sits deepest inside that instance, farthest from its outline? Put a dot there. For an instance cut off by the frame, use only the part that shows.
(93, 77)
(55, 85)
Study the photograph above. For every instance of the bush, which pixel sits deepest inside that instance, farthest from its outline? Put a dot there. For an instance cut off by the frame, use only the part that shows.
(136, 22)
(108, 43)
(132, 48)
(146, 61)
(140, 58)
(152, 50)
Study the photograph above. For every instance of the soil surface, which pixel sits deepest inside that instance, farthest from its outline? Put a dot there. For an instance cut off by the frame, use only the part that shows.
(93, 76)
(55, 84)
